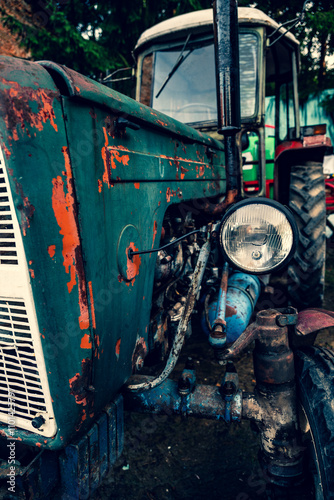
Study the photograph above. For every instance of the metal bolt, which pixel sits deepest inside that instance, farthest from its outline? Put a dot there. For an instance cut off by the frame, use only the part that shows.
(37, 422)
(184, 386)
(228, 389)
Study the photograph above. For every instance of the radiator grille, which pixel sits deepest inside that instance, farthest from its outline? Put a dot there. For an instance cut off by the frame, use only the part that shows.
(19, 371)
(8, 252)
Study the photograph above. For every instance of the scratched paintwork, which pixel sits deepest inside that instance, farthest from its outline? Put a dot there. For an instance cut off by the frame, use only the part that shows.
(101, 96)
(33, 161)
(80, 185)
(121, 191)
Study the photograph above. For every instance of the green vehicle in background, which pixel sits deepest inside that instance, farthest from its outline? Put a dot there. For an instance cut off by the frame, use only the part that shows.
(250, 156)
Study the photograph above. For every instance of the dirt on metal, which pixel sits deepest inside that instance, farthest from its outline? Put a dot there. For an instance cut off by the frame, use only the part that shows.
(168, 457)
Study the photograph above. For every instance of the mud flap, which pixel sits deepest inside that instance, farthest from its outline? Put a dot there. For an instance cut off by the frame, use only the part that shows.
(84, 464)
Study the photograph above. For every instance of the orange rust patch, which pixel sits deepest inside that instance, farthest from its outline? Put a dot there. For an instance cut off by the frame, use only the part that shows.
(38, 445)
(99, 183)
(132, 265)
(106, 160)
(110, 156)
(123, 148)
(90, 288)
(79, 384)
(85, 342)
(183, 172)
(115, 155)
(155, 230)
(118, 348)
(63, 205)
(7, 152)
(32, 273)
(18, 111)
(77, 89)
(52, 250)
(73, 379)
(137, 185)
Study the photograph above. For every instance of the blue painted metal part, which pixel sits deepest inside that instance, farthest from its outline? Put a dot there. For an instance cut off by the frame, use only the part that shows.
(84, 464)
(93, 443)
(230, 390)
(103, 445)
(186, 385)
(242, 294)
(204, 401)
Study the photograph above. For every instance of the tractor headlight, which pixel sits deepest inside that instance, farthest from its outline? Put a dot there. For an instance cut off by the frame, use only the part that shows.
(258, 235)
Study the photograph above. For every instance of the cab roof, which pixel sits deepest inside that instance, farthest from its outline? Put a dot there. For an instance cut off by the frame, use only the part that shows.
(202, 20)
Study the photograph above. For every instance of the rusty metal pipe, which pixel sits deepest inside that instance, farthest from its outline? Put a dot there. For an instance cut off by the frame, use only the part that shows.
(221, 303)
(275, 395)
(217, 337)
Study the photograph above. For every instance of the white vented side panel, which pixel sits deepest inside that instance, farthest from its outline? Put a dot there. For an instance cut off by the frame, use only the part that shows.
(8, 252)
(22, 366)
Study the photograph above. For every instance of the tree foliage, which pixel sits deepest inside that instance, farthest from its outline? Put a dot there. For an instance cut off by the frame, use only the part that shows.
(315, 32)
(90, 36)
(95, 36)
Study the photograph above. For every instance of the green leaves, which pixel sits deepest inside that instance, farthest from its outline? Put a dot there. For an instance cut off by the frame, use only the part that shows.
(94, 36)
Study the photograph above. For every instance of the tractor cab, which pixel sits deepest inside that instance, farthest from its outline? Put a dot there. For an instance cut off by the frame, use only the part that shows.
(176, 75)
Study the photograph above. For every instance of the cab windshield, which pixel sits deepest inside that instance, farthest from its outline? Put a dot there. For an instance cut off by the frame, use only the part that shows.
(189, 94)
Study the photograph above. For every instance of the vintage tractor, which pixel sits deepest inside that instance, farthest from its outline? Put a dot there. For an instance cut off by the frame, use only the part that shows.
(117, 218)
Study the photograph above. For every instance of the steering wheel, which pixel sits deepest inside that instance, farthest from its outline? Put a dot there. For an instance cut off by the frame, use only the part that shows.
(205, 107)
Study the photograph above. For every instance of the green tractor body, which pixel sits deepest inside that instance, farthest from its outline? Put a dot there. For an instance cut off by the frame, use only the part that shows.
(78, 192)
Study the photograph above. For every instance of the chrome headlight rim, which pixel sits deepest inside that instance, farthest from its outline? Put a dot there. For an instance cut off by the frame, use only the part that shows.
(259, 201)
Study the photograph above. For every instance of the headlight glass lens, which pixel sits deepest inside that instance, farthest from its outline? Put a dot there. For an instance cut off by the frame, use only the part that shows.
(257, 237)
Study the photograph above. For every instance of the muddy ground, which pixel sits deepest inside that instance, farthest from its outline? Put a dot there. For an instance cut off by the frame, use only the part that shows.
(192, 459)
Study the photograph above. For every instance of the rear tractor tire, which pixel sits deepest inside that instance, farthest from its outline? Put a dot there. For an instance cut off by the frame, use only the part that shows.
(314, 376)
(306, 271)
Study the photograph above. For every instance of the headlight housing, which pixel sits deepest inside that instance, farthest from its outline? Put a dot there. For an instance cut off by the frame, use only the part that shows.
(258, 235)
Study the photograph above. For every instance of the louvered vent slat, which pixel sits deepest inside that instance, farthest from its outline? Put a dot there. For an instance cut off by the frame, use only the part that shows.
(7, 235)
(18, 365)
